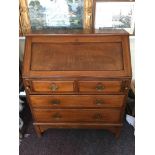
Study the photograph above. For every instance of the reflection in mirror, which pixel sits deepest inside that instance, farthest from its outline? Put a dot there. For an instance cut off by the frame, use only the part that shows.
(47, 14)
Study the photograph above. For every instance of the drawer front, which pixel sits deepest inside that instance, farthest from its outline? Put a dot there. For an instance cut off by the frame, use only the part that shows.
(81, 101)
(53, 86)
(74, 115)
(100, 86)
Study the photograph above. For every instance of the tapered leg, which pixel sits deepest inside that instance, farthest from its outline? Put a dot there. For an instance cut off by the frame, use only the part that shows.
(37, 129)
(117, 132)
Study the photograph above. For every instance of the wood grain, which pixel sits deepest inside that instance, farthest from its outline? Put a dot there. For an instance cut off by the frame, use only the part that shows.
(46, 86)
(74, 115)
(76, 101)
(77, 57)
(107, 86)
(77, 80)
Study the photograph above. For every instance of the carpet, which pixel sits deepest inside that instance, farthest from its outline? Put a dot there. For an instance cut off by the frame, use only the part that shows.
(78, 142)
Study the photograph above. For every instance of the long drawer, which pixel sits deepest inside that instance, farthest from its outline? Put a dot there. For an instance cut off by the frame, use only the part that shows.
(74, 115)
(77, 101)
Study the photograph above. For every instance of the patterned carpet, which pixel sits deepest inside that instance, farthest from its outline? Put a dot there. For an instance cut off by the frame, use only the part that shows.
(78, 142)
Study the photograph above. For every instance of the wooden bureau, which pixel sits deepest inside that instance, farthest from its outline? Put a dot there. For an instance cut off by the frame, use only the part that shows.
(77, 80)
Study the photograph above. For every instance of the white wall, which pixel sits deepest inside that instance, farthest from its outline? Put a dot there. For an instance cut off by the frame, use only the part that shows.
(132, 49)
(21, 47)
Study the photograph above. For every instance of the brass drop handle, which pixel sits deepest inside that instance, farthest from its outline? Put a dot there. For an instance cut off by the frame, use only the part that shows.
(54, 87)
(98, 116)
(99, 87)
(55, 102)
(27, 88)
(99, 102)
(56, 116)
(126, 88)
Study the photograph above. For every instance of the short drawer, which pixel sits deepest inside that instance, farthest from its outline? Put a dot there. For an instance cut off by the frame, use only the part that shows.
(81, 101)
(53, 86)
(100, 86)
(74, 115)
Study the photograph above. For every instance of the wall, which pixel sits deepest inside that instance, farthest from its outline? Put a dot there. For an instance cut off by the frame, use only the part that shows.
(21, 47)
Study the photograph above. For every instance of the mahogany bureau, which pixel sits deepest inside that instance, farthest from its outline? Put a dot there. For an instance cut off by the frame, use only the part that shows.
(77, 80)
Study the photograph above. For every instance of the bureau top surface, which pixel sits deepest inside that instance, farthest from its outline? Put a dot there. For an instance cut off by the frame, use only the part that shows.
(78, 32)
(79, 55)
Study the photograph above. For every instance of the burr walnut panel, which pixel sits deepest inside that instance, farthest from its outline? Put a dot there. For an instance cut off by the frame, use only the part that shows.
(77, 56)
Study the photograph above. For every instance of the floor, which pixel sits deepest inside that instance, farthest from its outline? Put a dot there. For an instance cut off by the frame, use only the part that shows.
(78, 142)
